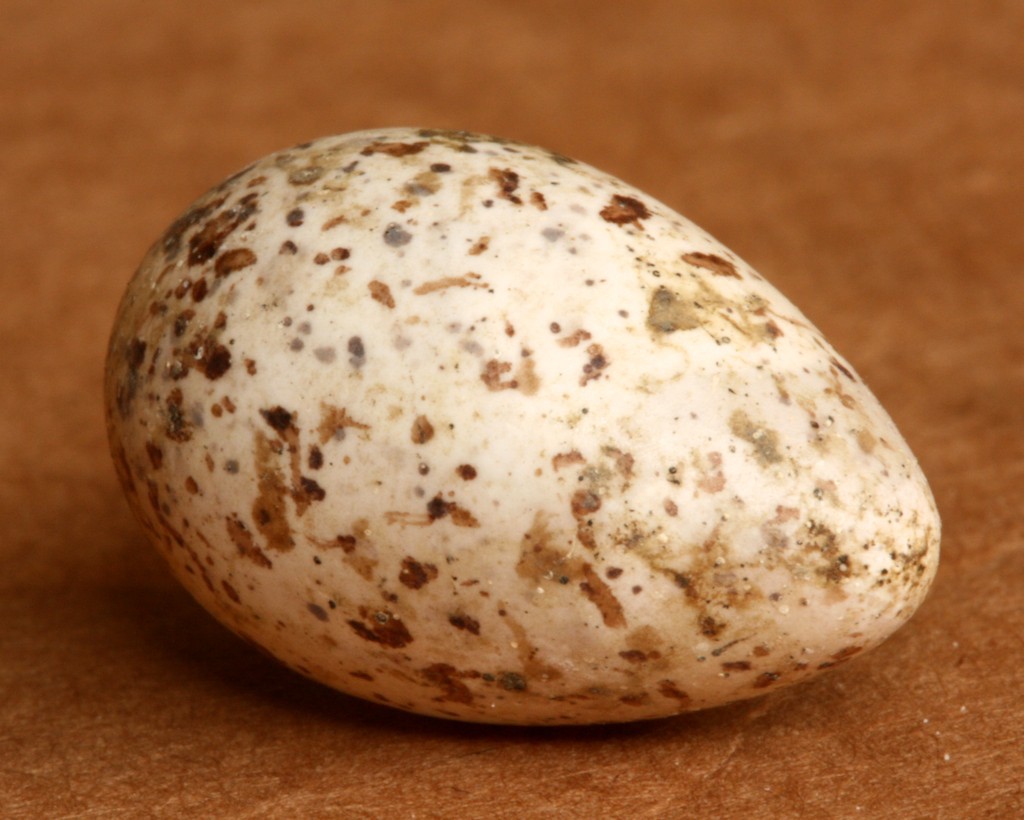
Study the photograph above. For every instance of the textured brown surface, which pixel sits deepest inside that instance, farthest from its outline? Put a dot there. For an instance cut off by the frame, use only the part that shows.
(866, 157)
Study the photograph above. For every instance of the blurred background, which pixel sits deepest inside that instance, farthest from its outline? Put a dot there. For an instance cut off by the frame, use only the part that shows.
(865, 157)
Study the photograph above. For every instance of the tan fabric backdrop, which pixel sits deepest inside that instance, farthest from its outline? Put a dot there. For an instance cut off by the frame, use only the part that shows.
(867, 157)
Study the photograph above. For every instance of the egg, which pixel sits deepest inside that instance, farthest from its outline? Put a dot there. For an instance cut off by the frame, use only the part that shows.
(467, 428)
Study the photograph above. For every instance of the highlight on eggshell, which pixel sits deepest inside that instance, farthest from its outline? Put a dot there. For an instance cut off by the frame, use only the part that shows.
(467, 428)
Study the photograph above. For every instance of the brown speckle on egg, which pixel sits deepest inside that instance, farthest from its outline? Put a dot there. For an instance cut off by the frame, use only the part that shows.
(234, 260)
(712, 262)
(381, 293)
(422, 430)
(394, 149)
(625, 210)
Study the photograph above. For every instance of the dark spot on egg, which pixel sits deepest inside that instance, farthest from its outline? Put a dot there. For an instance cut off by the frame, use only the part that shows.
(396, 236)
(422, 430)
(305, 176)
(380, 292)
(204, 245)
(394, 149)
(234, 260)
(278, 418)
(624, 210)
(508, 182)
(765, 679)
(415, 574)
(464, 622)
(713, 263)
(512, 682)
(383, 629)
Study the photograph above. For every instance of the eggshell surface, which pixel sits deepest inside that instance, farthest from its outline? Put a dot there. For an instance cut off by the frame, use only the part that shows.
(470, 429)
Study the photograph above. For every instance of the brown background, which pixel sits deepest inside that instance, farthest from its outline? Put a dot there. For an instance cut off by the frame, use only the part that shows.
(867, 157)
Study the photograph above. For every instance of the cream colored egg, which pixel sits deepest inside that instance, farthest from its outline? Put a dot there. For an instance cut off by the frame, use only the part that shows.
(464, 427)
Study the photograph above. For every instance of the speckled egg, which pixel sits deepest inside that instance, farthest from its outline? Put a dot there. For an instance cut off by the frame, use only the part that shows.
(468, 428)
